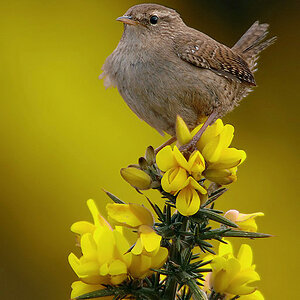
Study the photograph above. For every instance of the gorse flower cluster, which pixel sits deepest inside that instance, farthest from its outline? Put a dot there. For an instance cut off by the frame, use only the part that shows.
(134, 256)
(105, 257)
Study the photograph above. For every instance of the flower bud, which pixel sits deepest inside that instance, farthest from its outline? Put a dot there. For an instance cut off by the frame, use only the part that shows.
(220, 176)
(150, 155)
(244, 221)
(182, 132)
(136, 177)
(143, 163)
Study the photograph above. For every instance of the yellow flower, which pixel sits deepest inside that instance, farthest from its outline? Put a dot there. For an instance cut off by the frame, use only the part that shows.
(177, 168)
(176, 179)
(182, 131)
(221, 161)
(137, 216)
(188, 199)
(103, 259)
(244, 221)
(147, 253)
(136, 177)
(221, 176)
(232, 275)
(148, 242)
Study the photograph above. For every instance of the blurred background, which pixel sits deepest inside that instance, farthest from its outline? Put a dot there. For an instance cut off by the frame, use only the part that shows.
(63, 137)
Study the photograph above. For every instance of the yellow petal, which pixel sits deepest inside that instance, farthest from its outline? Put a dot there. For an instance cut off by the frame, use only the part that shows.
(229, 158)
(182, 131)
(117, 267)
(105, 241)
(224, 276)
(211, 132)
(213, 149)
(245, 222)
(196, 164)
(247, 225)
(188, 201)
(194, 184)
(165, 159)
(117, 279)
(88, 269)
(180, 159)
(130, 215)
(88, 247)
(82, 227)
(149, 238)
(173, 180)
(160, 258)
(122, 247)
(74, 262)
(245, 217)
(103, 270)
(140, 266)
(218, 263)
(245, 256)
(138, 247)
(98, 219)
(220, 176)
(136, 177)
(225, 249)
(239, 284)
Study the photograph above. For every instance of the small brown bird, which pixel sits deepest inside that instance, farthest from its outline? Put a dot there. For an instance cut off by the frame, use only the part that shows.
(163, 68)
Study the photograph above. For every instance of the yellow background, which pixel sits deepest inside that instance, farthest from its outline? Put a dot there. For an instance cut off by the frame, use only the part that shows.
(63, 137)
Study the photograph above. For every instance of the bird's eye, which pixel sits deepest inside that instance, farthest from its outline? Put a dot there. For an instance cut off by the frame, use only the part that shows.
(153, 19)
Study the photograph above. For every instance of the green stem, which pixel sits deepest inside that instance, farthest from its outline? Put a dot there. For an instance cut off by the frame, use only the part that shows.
(171, 283)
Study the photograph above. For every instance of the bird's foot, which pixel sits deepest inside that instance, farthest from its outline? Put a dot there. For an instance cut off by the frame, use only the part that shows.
(192, 145)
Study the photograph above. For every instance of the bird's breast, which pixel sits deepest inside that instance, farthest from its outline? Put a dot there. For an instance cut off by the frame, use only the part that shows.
(159, 87)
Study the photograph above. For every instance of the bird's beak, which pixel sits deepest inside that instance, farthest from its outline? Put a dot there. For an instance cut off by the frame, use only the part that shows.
(127, 20)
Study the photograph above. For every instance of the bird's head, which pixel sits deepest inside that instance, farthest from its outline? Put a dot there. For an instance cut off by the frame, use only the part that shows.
(151, 19)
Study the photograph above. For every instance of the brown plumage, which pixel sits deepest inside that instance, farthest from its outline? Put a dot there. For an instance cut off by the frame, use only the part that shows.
(163, 68)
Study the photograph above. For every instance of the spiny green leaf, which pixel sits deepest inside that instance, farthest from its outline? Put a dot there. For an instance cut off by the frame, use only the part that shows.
(204, 249)
(114, 198)
(245, 234)
(214, 216)
(204, 243)
(198, 294)
(164, 272)
(156, 209)
(215, 195)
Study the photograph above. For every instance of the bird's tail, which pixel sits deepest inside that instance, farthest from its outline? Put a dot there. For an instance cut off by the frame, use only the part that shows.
(252, 43)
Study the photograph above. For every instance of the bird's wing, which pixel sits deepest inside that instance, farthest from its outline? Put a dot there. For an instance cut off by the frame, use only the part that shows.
(209, 54)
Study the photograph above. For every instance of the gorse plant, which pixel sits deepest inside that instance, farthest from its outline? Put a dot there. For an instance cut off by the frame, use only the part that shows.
(170, 256)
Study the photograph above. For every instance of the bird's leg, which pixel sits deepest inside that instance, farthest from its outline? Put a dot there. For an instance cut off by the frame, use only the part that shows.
(168, 142)
(190, 147)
